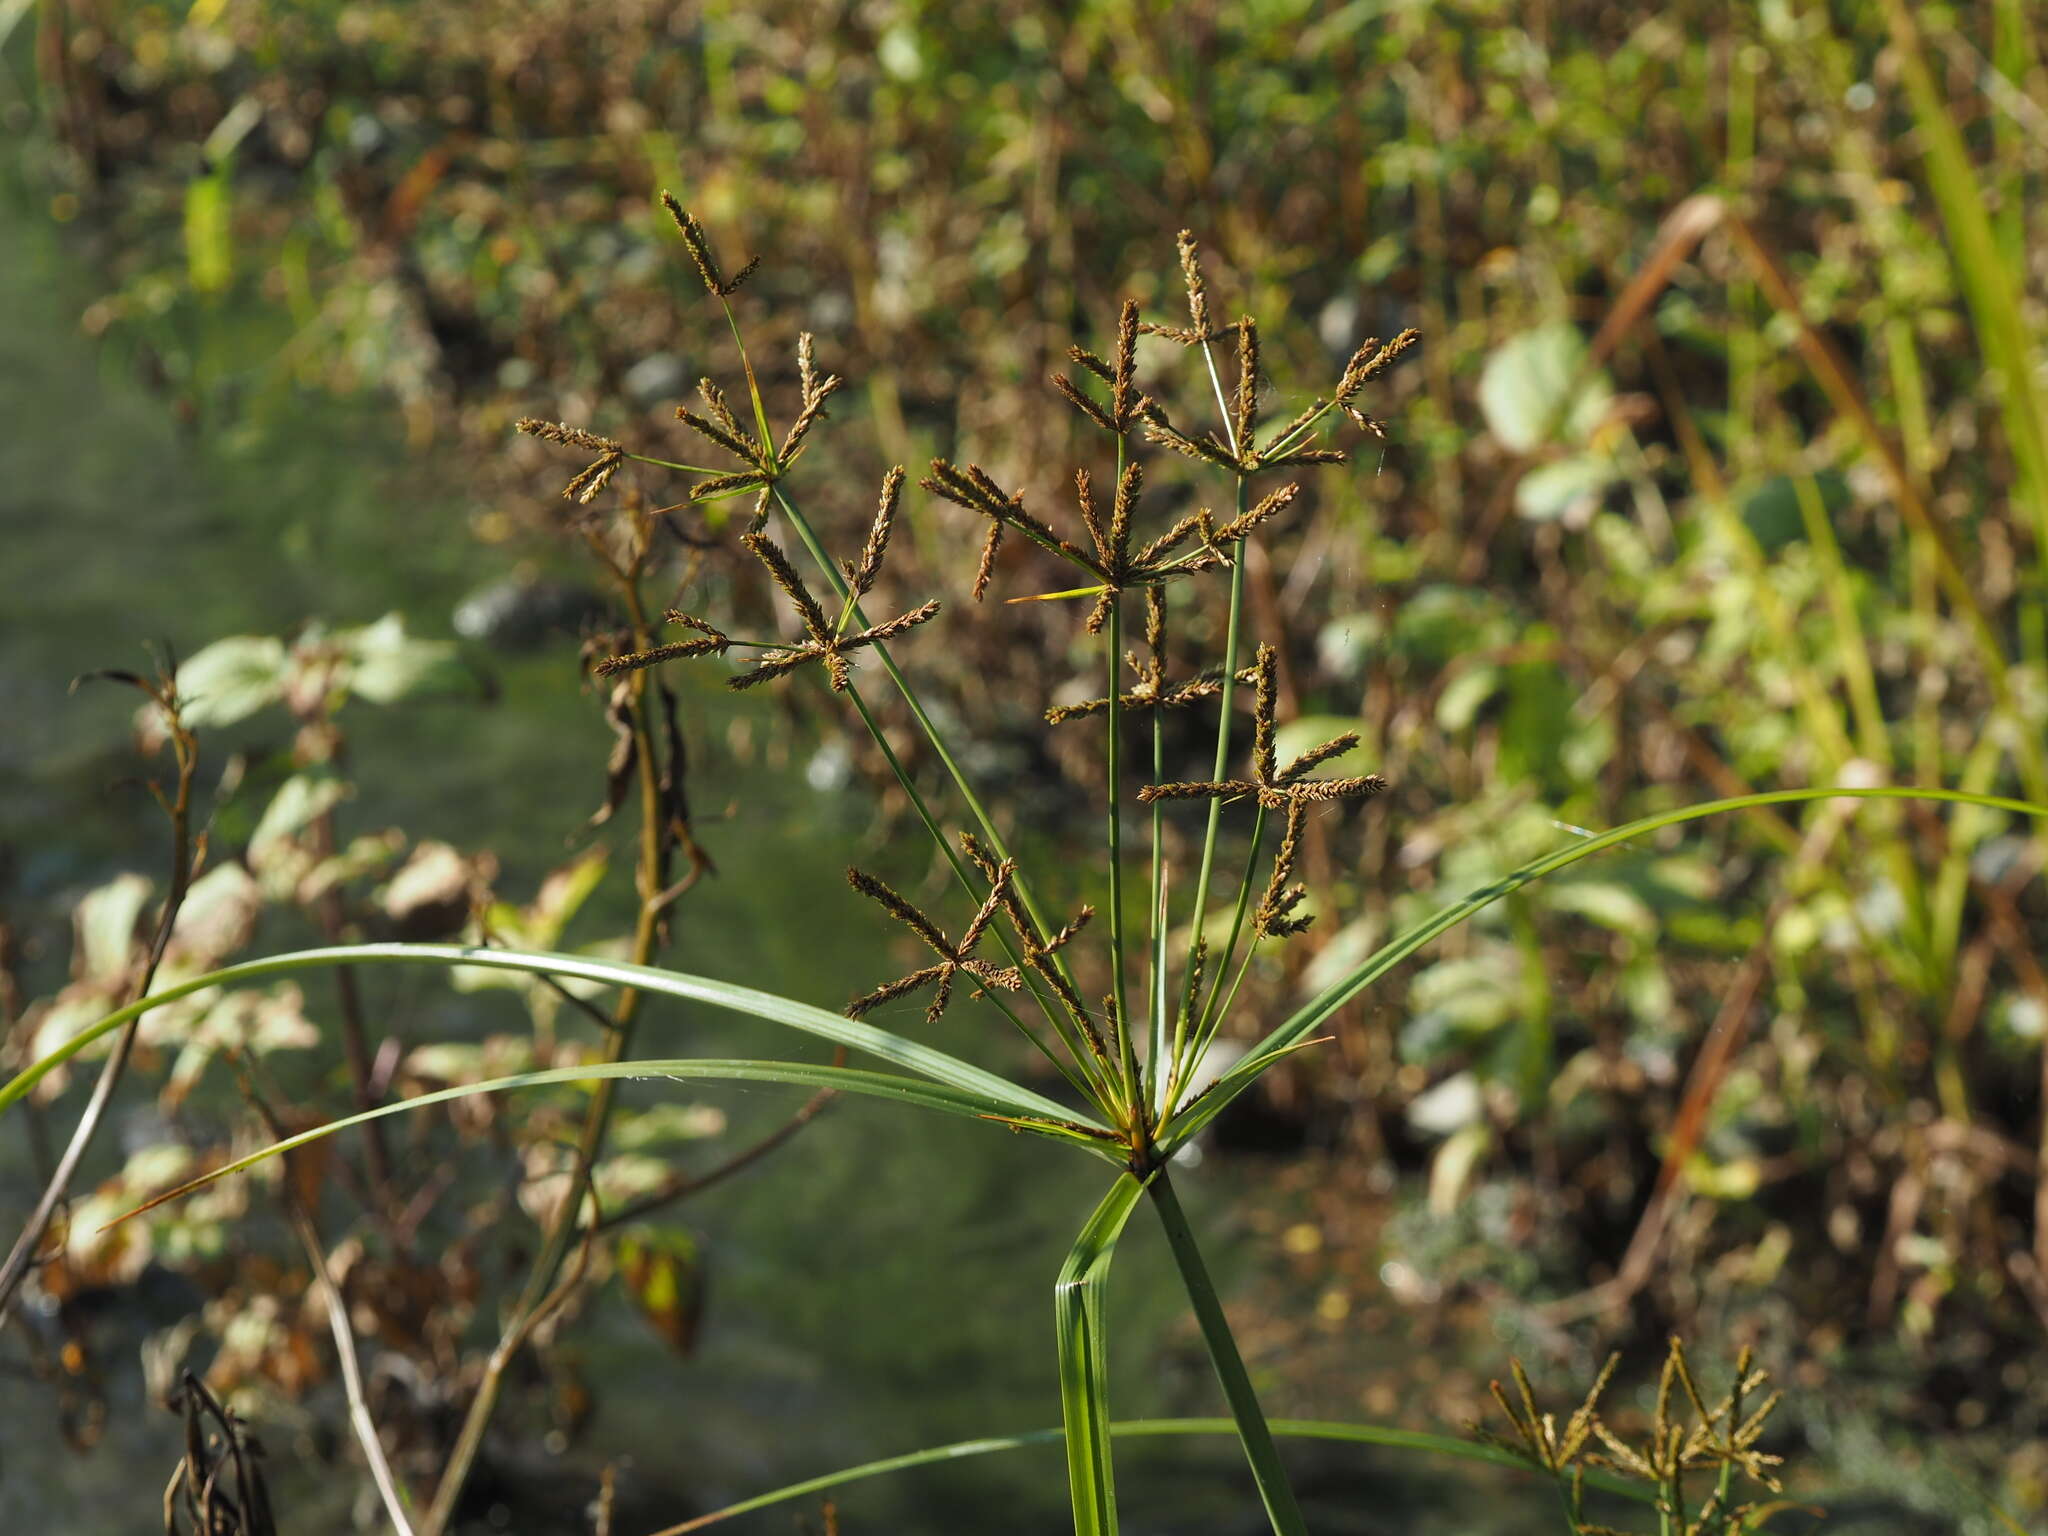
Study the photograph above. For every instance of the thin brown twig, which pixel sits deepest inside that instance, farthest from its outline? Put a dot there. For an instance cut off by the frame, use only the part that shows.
(184, 856)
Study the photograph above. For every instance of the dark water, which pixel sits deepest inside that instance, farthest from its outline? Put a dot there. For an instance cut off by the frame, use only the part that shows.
(883, 1284)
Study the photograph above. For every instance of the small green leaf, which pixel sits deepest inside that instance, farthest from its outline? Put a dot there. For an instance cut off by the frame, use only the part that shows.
(390, 664)
(232, 679)
(209, 237)
(105, 921)
(1549, 491)
(1459, 704)
(1523, 391)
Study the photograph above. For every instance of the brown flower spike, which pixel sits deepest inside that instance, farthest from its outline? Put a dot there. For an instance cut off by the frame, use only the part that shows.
(1151, 690)
(594, 476)
(953, 958)
(826, 642)
(1278, 789)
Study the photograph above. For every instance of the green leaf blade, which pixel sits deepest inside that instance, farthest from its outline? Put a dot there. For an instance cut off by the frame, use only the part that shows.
(1001, 1096)
(1084, 1360)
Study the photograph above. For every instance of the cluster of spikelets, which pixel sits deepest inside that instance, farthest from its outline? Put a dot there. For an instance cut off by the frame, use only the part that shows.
(1720, 1441)
(1111, 561)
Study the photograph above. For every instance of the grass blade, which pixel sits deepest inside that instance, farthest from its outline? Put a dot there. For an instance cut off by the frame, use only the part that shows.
(1132, 1429)
(1252, 1431)
(998, 1095)
(1311, 1016)
(1084, 1360)
(880, 1085)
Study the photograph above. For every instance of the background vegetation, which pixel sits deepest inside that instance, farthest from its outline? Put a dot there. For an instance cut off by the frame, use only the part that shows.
(1721, 467)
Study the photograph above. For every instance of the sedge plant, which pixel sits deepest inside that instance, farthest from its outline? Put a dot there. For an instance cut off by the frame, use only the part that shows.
(1127, 1012)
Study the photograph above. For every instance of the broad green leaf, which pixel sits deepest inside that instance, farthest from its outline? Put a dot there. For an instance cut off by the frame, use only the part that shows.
(1458, 705)
(992, 1094)
(1547, 492)
(1084, 1360)
(1526, 391)
(105, 922)
(1311, 1016)
(232, 679)
(390, 664)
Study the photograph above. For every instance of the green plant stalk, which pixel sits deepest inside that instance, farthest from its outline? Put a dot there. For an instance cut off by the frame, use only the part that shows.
(1988, 286)
(1744, 344)
(1952, 879)
(1476, 1451)
(1083, 1348)
(1156, 1058)
(1252, 1431)
(1216, 1006)
(1126, 1043)
(1222, 764)
(1871, 738)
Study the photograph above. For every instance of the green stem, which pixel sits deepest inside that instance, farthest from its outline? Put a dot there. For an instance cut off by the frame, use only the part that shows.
(1157, 1056)
(1127, 1051)
(1252, 1430)
(1230, 649)
(1217, 1004)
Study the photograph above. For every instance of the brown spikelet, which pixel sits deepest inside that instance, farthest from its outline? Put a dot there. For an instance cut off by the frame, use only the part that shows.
(701, 253)
(714, 642)
(1128, 485)
(733, 443)
(1124, 371)
(1239, 528)
(986, 568)
(719, 485)
(1169, 541)
(1264, 702)
(1092, 363)
(1315, 757)
(1274, 918)
(1084, 493)
(1078, 398)
(771, 554)
(1191, 274)
(593, 477)
(878, 533)
(1244, 405)
(562, 432)
(1321, 791)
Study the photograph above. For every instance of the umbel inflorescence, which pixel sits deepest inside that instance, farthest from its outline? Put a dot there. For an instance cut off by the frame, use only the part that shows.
(1135, 1053)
